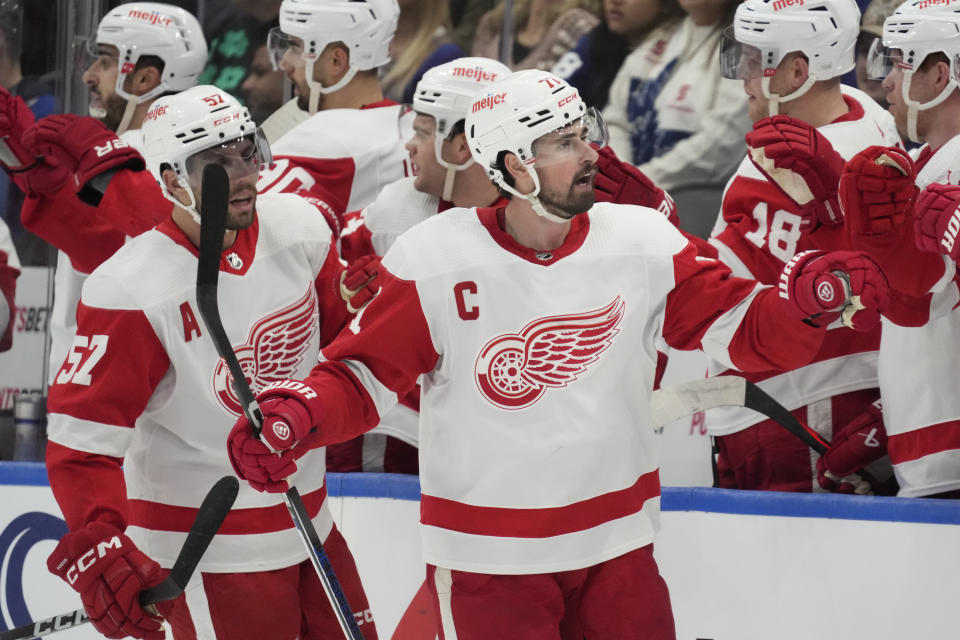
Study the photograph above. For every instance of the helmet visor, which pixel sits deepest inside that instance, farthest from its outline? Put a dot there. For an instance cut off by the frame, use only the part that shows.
(88, 54)
(564, 143)
(406, 116)
(881, 60)
(242, 157)
(279, 43)
(739, 61)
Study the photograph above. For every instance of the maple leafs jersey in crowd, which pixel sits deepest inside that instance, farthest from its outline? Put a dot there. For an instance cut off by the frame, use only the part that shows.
(918, 368)
(143, 383)
(758, 232)
(85, 235)
(350, 153)
(536, 440)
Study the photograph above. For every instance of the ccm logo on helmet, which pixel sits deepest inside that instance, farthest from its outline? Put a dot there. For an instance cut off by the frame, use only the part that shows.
(477, 73)
(488, 102)
(91, 556)
(567, 99)
(153, 17)
(932, 3)
(233, 116)
(783, 4)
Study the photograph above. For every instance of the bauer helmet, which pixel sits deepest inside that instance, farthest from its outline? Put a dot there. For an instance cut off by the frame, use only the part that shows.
(915, 30)
(510, 115)
(366, 27)
(201, 119)
(765, 31)
(446, 93)
(140, 29)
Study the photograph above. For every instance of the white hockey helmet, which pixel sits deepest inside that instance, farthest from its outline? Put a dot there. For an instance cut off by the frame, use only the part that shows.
(366, 27)
(765, 31)
(203, 118)
(510, 115)
(446, 92)
(139, 29)
(915, 30)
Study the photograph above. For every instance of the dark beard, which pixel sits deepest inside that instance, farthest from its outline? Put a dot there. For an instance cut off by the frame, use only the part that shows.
(115, 106)
(568, 205)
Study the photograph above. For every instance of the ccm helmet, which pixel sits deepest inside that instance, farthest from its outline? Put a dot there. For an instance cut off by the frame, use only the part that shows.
(915, 30)
(201, 119)
(139, 29)
(366, 27)
(446, 93)
(510, 115)
(765, 31)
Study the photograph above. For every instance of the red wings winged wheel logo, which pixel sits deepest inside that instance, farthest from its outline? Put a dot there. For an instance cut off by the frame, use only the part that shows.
(275, 347)
(514, 369)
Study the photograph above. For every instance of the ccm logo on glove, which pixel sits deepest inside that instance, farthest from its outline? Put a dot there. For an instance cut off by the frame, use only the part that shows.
(88, 559)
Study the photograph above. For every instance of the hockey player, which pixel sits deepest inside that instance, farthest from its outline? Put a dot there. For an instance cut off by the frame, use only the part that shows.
(806, 123)
(533, 329)
(350, 145)
(917, 59)
(447, 176)
(145, 388)
(87, 189)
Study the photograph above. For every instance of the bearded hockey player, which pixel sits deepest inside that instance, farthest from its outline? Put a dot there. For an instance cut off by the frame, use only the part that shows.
(144, 388)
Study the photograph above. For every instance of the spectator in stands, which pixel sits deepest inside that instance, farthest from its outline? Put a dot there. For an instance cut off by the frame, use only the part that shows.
(235, 40)
(464, 15)
(593, 63)
(543, 31)
(670, 112)
(37, 92)
(422, 41)
(871, 27)
(262, 90)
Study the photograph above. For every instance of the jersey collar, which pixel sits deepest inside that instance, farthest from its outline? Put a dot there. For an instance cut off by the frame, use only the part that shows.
(492, 218)
(235, 259)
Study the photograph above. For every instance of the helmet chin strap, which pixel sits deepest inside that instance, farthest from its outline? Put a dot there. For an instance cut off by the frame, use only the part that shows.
(132, 103)
(452, 170)
(316, 88)
(914, 108)
(532, 198)
(775, 98)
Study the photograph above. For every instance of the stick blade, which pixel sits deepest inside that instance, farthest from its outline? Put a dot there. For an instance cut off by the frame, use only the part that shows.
(679, 400)
(213, 510)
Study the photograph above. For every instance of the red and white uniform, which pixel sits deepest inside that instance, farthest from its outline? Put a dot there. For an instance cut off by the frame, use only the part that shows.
(756, 234)
(351, 154)
(86, 236)
(918, 367)
(536, 369)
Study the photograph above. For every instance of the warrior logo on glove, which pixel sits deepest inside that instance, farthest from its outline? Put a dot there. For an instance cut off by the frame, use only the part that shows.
(514, 370)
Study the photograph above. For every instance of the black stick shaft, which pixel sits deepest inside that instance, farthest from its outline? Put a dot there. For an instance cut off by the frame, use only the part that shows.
(215, 191)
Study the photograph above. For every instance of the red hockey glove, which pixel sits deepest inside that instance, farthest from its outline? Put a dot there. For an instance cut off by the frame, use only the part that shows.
(290, 411)
(83, 144)
(877, 190)
(621, 182)
(109, 572)
(802, 162)
(360, 282)
(825, 286)
(15, 119)
(859, 443)
(937, 219)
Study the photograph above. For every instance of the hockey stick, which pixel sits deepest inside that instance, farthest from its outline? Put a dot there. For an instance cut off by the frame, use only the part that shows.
(213, 510)
(215, 193)
(679, 400)
(674, 402)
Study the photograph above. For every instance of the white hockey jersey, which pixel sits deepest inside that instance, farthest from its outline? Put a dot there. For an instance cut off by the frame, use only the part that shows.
(536, 367)
(144, 383)
(758, 232)
(349, 153)
(918, 370)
